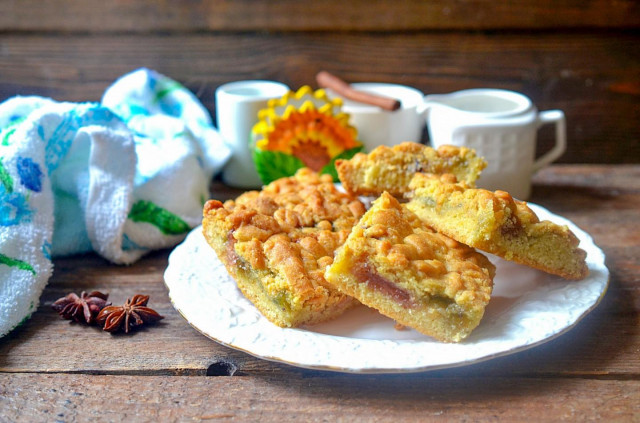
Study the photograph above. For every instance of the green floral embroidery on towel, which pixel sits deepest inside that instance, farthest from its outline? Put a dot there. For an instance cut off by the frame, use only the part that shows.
(5, 139)
(181, 134)
(11, 262)
(5, 178)
(167, 222)
(164, 88)
(11, 128)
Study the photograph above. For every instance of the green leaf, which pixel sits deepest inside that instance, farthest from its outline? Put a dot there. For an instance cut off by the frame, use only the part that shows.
(165, 88)
(5, 178)
(10, 129)
(11, 262)
(272, 165)
(330, 167)
(167, 222)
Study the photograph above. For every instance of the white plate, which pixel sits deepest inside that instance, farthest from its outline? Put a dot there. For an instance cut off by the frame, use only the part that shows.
(528, 307)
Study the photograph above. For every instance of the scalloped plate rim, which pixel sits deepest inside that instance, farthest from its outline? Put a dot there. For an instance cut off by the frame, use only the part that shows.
(274, 351)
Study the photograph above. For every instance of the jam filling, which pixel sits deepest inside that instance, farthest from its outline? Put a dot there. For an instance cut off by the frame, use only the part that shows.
(232, 256)
(512, 228)
(365, 274)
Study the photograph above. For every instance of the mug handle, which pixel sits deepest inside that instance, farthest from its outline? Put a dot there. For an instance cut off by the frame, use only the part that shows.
(557, 117)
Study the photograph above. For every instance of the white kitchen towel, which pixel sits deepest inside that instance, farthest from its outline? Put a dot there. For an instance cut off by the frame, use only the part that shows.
(121, 178)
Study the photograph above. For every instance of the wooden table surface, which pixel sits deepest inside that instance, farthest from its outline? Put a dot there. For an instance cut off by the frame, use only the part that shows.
(51, 370)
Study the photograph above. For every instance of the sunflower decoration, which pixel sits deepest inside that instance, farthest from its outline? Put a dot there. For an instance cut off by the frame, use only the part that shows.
(302, 129)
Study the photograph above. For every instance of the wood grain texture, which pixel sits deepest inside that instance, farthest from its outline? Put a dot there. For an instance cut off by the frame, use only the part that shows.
(603, 200)
(593, 78)
(410, 398)
(292, 15)
(581, 57)
(604, 344)
(51, 369)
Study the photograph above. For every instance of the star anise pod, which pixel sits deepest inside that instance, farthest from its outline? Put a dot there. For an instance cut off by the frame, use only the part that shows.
(133, 313)
(82, 309)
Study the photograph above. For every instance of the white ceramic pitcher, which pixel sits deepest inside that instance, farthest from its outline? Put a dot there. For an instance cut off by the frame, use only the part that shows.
(502, 127)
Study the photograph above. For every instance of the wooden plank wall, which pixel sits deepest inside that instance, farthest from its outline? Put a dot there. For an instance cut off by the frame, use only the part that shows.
(579, 56)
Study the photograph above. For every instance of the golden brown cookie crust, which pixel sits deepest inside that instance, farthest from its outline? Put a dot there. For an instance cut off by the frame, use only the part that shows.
(277, 243)
(422, 279)
(496, 223)
(390, 169)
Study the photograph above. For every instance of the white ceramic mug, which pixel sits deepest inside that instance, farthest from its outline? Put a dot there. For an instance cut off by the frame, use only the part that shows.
(502, 127)
(237, 106)
(382, 127)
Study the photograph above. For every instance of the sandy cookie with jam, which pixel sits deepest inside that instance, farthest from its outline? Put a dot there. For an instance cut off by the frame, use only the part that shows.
(277, 243)
(396, 264)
